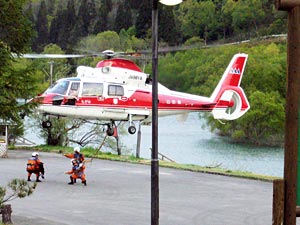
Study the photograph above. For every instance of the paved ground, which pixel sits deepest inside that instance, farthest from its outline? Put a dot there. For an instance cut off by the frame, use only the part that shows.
(120, 194)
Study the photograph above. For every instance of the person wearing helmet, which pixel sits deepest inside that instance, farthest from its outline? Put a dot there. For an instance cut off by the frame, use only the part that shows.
(76, 172)
(36, 166)
(76, 155)
(79, 157)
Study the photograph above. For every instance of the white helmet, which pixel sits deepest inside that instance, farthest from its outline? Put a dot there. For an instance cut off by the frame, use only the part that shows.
(34, 154)
(76, 149)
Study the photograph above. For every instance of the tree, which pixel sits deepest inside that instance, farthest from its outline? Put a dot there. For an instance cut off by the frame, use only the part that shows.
(63, 29)
(84, 17)
(246, 15)
(56, 25)
(15, 27)
(69, 24)
(167, 30)
(101, 42)
(59, 67)
(41, 28)
(57, 134)
(101, 23)
(17, 189)
(144, 20)
(264, 124)
(92, 14)
(15, 36)
(197, 19)
(199, 70)
(187, 16)
(123, 19)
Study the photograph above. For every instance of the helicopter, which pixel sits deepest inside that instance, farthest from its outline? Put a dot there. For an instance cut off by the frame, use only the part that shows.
(118, 90)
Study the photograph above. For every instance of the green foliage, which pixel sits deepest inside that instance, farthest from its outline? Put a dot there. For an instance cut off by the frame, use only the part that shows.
(15, 27)
(61, 67)
(143, 22)
(124, 41)
(41, 28)
(57, 134)
(199, 71)
(210, 20)
(167, 30)
(266, 118)
(16, 188)
(194, 42)
(246, 14)
(123, 17)
(100, 42)
(16, 80)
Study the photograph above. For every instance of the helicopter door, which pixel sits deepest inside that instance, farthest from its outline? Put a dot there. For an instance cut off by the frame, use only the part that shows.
(73, 93)
(74, 89)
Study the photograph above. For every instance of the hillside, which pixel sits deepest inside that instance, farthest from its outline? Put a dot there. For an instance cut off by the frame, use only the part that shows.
(66, 23)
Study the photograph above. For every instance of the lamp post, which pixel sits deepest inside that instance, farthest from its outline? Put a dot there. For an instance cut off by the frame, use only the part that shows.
(154, 157)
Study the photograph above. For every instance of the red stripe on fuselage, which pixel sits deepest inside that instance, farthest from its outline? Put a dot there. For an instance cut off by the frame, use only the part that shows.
(143, 100)
(139, 99)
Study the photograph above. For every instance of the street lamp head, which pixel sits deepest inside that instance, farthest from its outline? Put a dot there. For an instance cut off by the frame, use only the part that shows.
(170, 2)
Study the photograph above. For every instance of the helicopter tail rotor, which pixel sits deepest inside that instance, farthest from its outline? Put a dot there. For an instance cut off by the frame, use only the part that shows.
(232, 105)
(231, 101)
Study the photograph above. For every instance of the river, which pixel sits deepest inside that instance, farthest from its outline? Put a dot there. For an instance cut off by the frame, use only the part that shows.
(187, 142)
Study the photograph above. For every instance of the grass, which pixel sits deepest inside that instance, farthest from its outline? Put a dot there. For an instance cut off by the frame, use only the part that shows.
(93, 153)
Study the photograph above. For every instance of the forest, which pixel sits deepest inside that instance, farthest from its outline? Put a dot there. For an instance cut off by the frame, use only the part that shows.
(66, 23)
(188, 64)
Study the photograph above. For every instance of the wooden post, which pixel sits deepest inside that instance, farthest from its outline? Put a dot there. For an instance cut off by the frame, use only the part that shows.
(298, 211)
(278, 201)
(292, 109)
(6, 214)
(286, 5)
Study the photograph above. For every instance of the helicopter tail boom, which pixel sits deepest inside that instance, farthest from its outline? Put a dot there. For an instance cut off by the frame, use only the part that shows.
(231, 100)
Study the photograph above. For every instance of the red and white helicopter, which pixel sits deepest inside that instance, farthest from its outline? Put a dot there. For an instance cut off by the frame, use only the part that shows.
(117, 90)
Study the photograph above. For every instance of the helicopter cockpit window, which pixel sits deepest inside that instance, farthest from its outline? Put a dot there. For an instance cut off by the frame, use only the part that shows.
(74, 89)
(59, 88)
(115, 90)
(92, 89)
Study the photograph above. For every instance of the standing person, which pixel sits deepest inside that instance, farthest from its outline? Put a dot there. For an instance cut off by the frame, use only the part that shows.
(76, 155)
(79, 157)
(77, 171)
(36, 166)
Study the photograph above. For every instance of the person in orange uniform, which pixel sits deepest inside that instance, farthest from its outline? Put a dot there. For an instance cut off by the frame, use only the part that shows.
(76, 155)
(36, 166)
(79, 157)
(77, 171)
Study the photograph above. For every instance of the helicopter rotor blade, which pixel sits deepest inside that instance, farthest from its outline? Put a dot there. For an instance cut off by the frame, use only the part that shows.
(49, 56)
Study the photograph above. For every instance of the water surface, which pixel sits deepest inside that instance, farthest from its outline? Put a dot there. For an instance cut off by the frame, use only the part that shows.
(187, 142)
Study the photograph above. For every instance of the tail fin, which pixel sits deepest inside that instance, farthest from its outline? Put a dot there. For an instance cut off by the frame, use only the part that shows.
(231, 100)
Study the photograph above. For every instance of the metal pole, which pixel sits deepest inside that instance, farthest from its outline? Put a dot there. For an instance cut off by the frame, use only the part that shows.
(138, 143)
(51, 73)
(154, 159)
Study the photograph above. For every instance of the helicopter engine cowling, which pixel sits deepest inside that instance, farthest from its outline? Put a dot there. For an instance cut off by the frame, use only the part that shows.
(232, 105)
